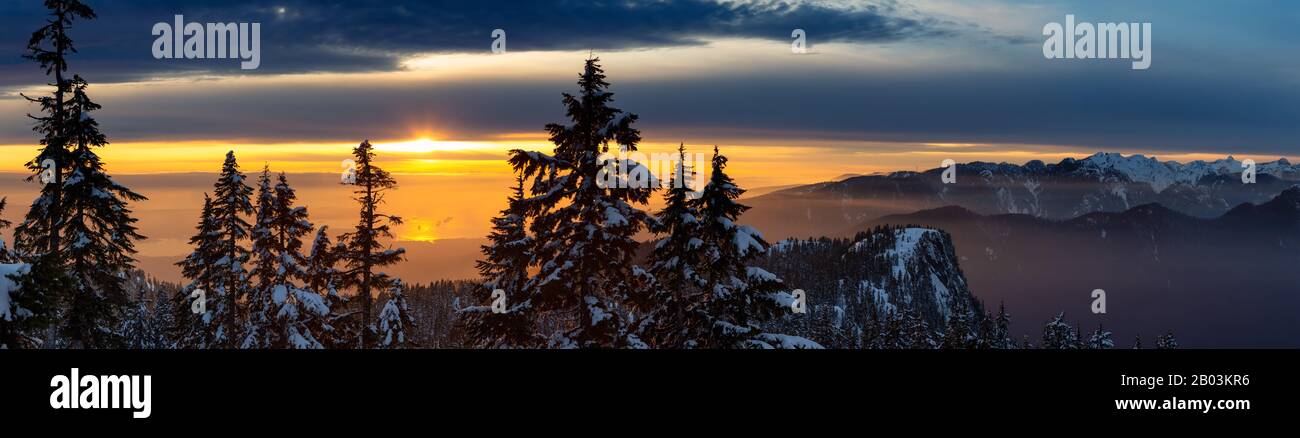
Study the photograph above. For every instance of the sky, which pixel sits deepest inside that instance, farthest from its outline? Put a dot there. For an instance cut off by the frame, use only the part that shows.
(884, 85)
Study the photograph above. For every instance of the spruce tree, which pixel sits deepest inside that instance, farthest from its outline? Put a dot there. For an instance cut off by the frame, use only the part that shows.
(585, 232)
(298, 317)
(957, 334)
(736, 298)
(41, 230)
(365, 250)
(28, 295)
(1166, 341)
(138, 331)
(917, 332)
(77, 197)
(395, 325)
(673, 265)
(99, 232)
(1058, 334)
(230, 205)
(189, 330)
(266, 263)
(289, 226)
(1002, 332)
(319, 268)
(6, 255)
(340, 328)
(1100, 339)
(890, 331)
(504, 267)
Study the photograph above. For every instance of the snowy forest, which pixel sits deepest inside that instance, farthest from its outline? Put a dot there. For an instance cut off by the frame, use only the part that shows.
(568, 263)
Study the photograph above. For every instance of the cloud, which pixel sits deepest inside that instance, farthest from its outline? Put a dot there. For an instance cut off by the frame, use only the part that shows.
(1226, 91)
(346, 36)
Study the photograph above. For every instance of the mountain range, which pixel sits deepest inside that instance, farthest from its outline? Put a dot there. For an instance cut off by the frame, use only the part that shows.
(1104, 182)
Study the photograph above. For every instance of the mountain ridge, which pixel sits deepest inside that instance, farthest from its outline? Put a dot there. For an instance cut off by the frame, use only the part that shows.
(1103, 182)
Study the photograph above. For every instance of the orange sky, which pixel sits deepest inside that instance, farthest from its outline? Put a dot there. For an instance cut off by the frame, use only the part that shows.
(756, 163)
(450, 189)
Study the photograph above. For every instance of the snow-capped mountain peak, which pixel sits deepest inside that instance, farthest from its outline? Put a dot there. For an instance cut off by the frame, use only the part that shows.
(1162, 174)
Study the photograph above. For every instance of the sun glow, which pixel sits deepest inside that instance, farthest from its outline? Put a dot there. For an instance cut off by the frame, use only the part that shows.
(426, 145)
(419, 230)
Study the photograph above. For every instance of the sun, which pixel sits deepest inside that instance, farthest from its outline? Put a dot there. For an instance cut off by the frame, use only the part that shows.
(419, 230)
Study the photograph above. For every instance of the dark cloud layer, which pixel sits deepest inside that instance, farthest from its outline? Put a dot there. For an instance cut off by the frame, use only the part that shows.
(1090, 107)
(1233, 90)
(366, 35)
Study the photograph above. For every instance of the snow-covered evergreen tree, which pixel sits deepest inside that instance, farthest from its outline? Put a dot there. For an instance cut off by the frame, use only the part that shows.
(100, 234)
(892, 331)
(26, 303)
(320, 271)
(958, 333)
(7, 255)
(1166, 342)
(673, 265)
(1137, 342)
(365, 249)
(163, 319)
(395, 325)
(230, 205)
(917, 332)
(289, 226)
(29, 296)
(300, 315)
(736, 297)
(41, 230)
(77, 197)
(341, 328)
(504, 267)
(1059, 335)
(584, 230)
(190, 330)
(1100, 339)
(266, 264)
(1001, 337)
(300, 318)
(138, 330)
